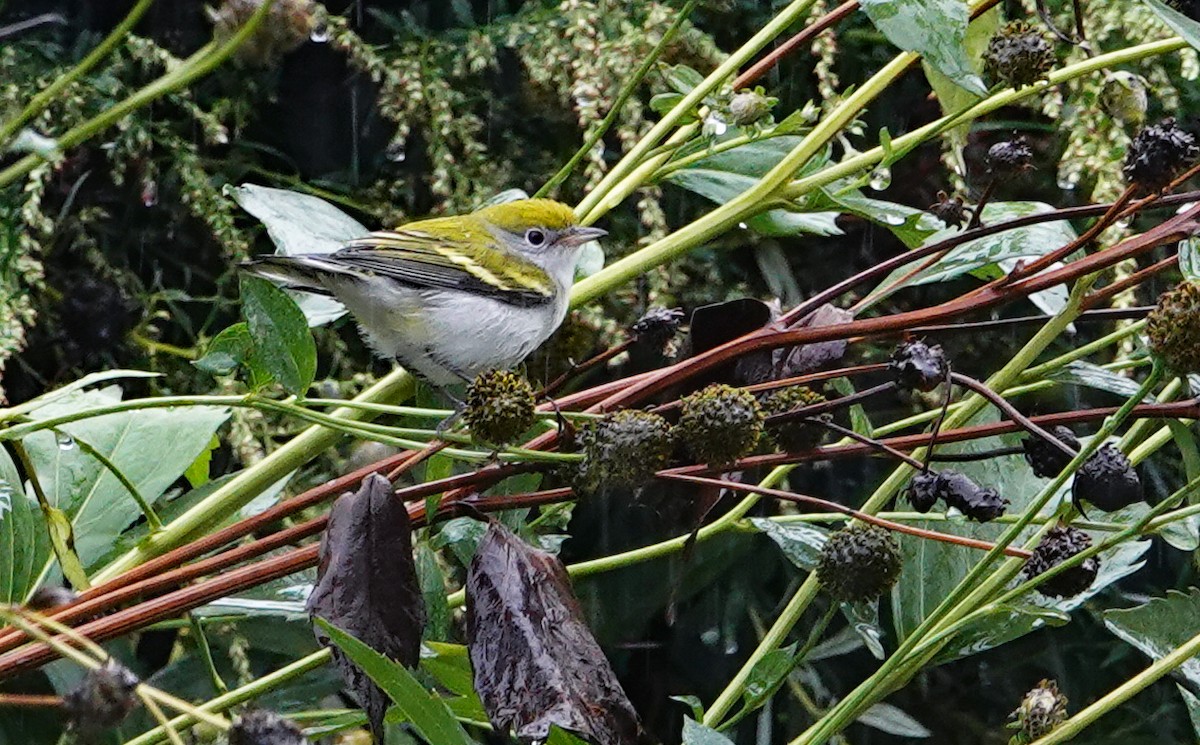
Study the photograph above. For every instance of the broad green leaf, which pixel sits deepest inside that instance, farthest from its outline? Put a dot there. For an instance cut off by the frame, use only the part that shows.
(1187, 29)
(910, 225)
(461, 535)
(231, 348)
(1160, 626)
(682, 78)
(695, 733)
(800, 543)
(433, 588)
(894, 721)
(1189, 259)
(24, 542)
(953, 98)
(1094, 376)
(1193, 707)
(279, 334)
(860, 422)
(197, 473)
(935, 29)
(301, 223)
(427, 712)
(755, 158)
(450, 665)
(993, 256)
(661, 103)
(767, 675)
(152, 447)
(1007, 623)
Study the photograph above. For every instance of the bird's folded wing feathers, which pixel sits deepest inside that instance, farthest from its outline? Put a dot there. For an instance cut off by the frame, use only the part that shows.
(421, 260)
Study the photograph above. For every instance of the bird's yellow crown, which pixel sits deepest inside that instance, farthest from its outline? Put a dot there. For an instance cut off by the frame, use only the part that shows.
(516, 216)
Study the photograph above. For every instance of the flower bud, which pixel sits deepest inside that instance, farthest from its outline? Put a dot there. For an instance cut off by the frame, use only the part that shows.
(1018, 55)
(1059, 544)
(750, 107)
(1174, 328)
(859, 563)
(720, 423)
(1009, 157)
(949, 210)
(500, 407)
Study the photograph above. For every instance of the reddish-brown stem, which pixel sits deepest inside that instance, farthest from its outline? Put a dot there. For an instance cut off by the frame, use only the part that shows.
(807, 34)
(1108, 291)
(577, 370)
(1000, 403)
(871, 441)
(826, 505)
(29, 700)
(804, 412)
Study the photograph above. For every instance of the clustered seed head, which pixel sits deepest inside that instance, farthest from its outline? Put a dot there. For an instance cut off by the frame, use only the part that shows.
(859, 563)
(1174, 328)
(500, 406)
(750, 107)
(720, 423)
(264, 727)
(622, 450)
(1058, 545)
(1158, 154)
(289, 23)
(917, 366)
(1010, 156)
(1108, 480)
(1018, 55)
(102, 699)
(1042, 709)
(1046, 460)
(657, 326)
(949, 210)
(981, 504)
(795, 434)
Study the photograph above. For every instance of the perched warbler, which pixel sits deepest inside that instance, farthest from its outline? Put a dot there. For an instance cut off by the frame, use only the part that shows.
(451, 297)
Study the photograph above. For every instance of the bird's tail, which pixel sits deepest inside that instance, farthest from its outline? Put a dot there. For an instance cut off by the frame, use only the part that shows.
(301, 272)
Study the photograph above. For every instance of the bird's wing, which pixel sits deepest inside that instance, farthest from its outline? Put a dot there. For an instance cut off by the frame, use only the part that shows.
(418, 259)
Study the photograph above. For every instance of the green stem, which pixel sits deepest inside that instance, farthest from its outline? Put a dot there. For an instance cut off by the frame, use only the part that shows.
(626, 91)
(44, 97)
(205, 652)
(148, 512)
(198, 65)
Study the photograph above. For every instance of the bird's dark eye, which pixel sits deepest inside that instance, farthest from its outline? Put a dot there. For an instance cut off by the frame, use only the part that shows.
(535, 237)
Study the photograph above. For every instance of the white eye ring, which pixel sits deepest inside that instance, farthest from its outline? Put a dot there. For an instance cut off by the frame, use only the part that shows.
(535, 237)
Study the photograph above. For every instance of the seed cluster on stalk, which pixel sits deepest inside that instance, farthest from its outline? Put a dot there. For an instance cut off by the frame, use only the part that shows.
(917, 366)
(720, 423)
(500, 407)
(1059, 544)
(794, 435)
(981, 504)
(1158, 154)
(1173, 328)
(1041, 710)
(622, 450)
(1018, 55)
(859, 563)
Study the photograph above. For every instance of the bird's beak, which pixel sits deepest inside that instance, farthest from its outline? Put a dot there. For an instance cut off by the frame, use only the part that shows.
(578, 236)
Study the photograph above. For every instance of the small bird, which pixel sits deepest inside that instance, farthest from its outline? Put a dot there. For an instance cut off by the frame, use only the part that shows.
(451, 297)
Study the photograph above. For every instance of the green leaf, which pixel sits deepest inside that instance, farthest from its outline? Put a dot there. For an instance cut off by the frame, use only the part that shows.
(279, 334)
(197, 473)
(427, 712)
(864, 619)
(231, 348)
(894, 721)
(24, 542)
(682, 78)
(953, 98)
(462, 536)
(935, 29)
(1189, 259)
(1094, 376)
(695, 733)
(993, 256)
(1159, 626)
(62, 539)
(433, 588)
(664, 102)
(767, 675)
(859, 421)
(1006, 623)
(910, 225)
(1193, 708)
(450, 665)
(1187, 29)
(152, 447)
(800, 543)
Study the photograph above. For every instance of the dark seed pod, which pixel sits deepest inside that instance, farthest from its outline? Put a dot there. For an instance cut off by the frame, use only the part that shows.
(976, 502)
(102, 699)
(1009, 157)
(949, 210)
(720, 423)
(1174, 328)
(917, 366)
(264, 727)
(657, 326)
(795, 434)
(500, 406)
(859, 563)
(1158, 154)
(1058, 545)
(622, 450)
(1046, 460)
(1107, 480)
(1018, 55)
(1042, 709)
(922, 491)
(289, 23)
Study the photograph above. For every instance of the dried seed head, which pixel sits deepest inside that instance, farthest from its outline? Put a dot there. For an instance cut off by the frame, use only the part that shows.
(917, 366)
(976, 502)
(1009, 157)
(1058, 545)
(1107, 480)
(922, 491)
(102, 699)
(1158, 154)
(859, 563)
(1045, 459)
(657, 326)
(949, 210)
(795, 434)
(750, 107)
(720, 423)
(289, 23)
(1042, 709)
(622, 450)
(500, 406)
(264, 727)
(1018, 55)
(1174, 328)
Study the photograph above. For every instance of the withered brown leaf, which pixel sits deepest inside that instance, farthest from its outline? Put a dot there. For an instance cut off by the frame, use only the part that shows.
(367, 586)
(536, 662)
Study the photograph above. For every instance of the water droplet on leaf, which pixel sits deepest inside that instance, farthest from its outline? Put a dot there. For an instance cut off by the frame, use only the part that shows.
(64, 440)
(881, 178)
